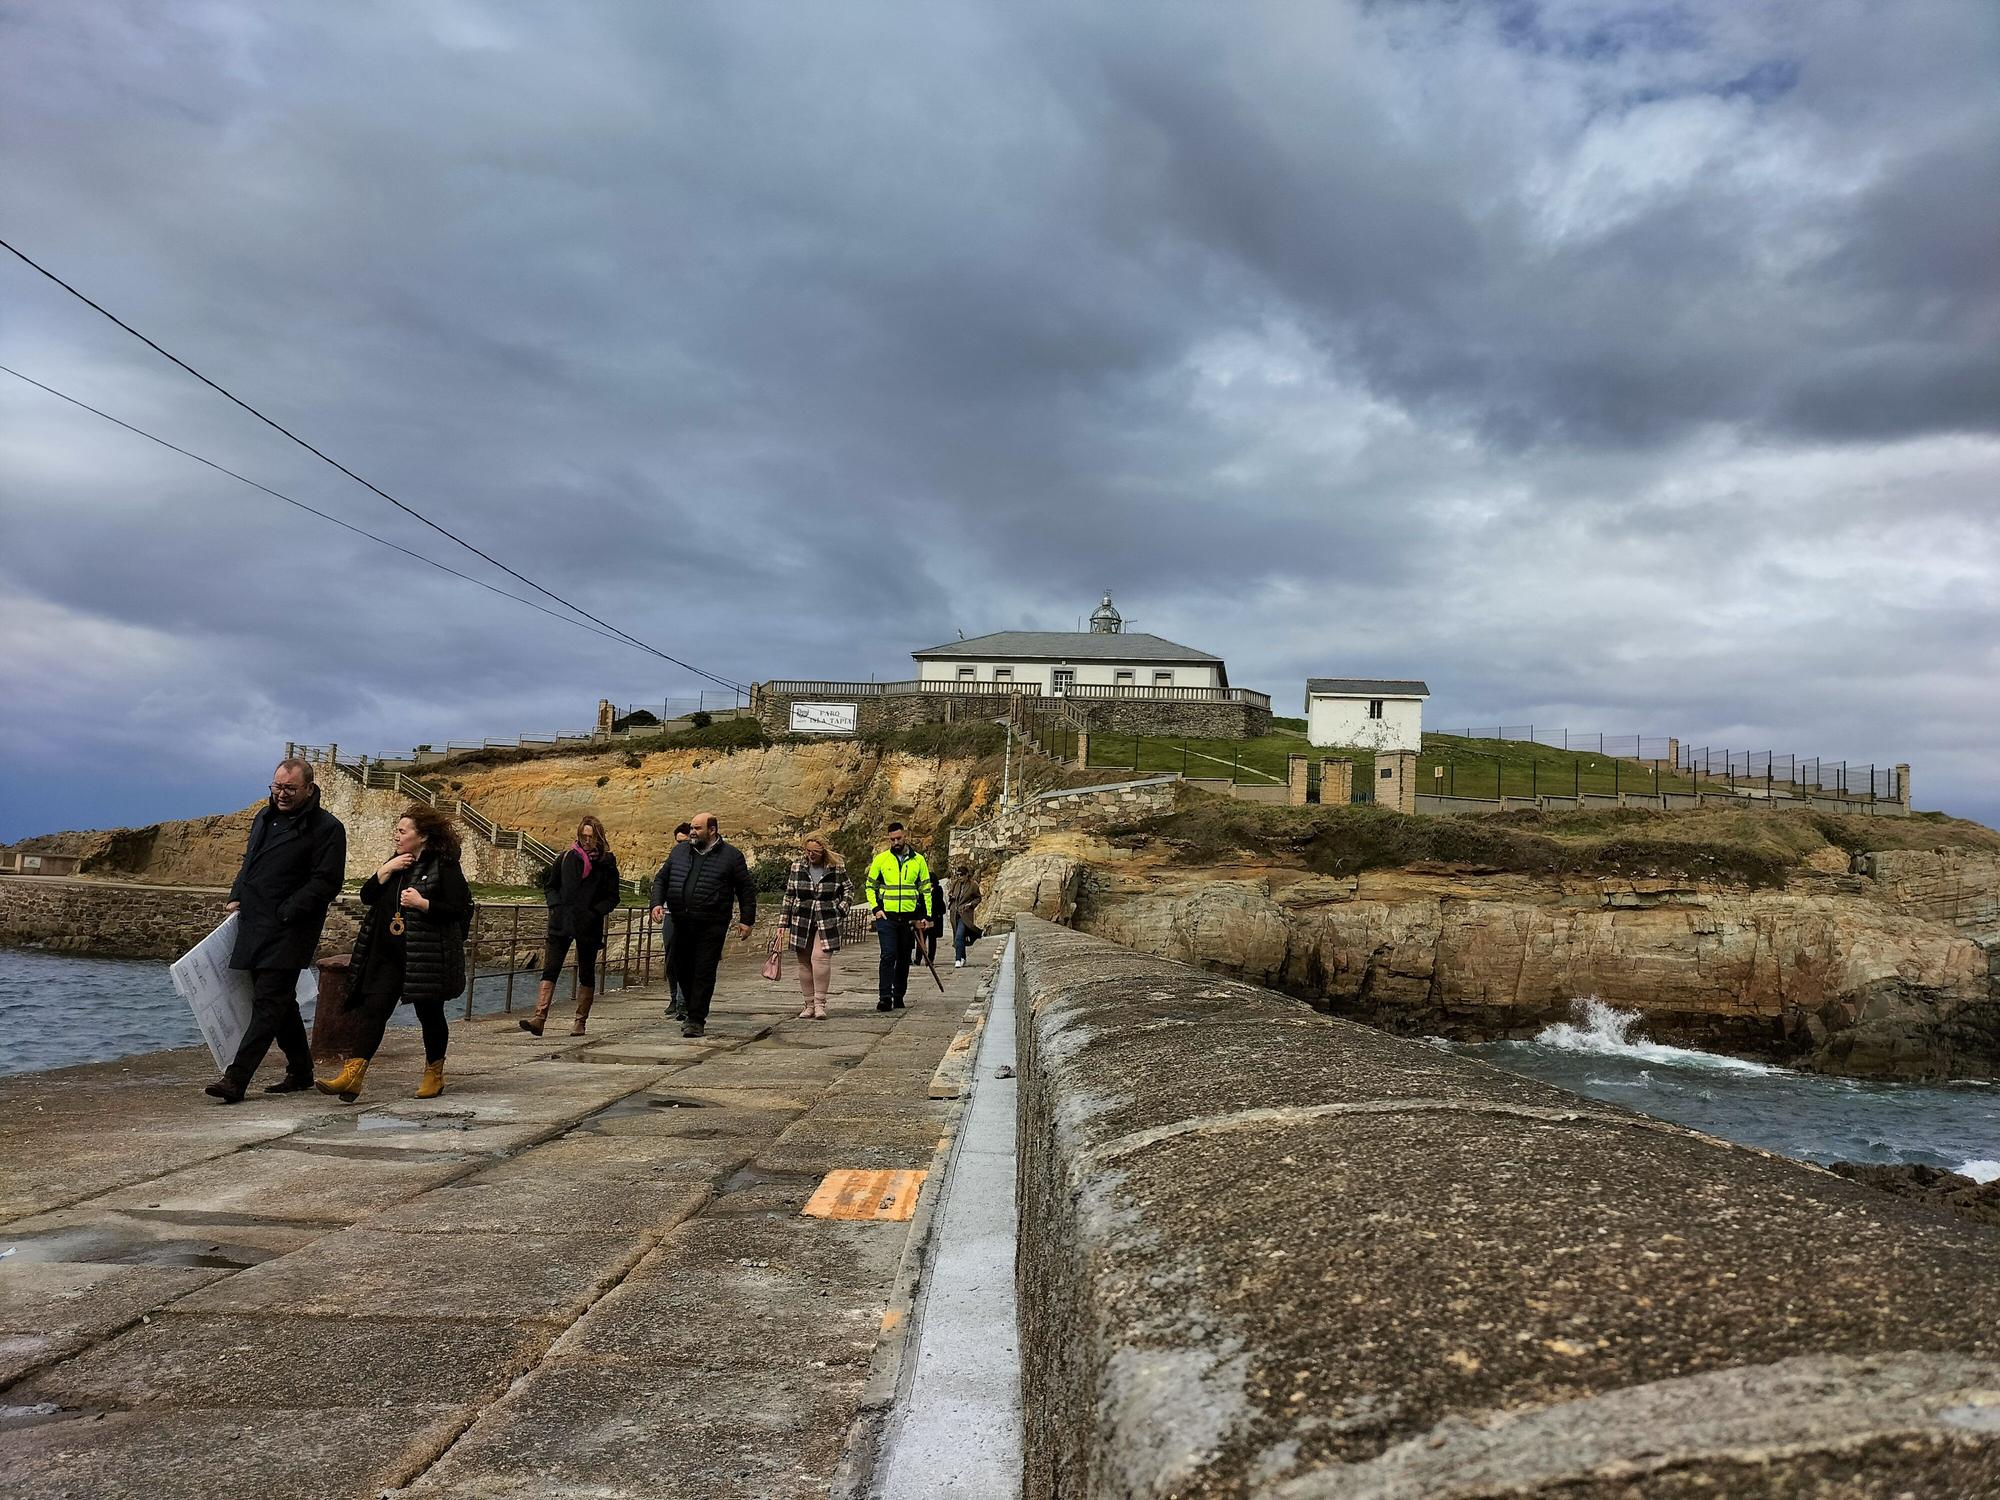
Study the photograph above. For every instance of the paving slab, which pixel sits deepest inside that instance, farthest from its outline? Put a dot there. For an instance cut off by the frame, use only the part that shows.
(49, 1309)
(150, 1454)
(363, 1272)
(301, 1363)
(297, 1185)
(527, 1196)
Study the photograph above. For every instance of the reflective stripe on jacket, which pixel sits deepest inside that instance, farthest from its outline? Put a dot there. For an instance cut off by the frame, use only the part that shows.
(899, 885)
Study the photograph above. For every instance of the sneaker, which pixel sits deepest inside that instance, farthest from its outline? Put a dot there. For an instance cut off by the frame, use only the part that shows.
(958, 963)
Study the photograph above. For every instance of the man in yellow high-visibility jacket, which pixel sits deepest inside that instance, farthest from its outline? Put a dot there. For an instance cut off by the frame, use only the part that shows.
(899, 888)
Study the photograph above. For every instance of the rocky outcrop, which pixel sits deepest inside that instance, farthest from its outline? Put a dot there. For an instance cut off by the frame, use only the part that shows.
(1821, 974)
(1978, 1201)
(1042, 885)
(189, 851)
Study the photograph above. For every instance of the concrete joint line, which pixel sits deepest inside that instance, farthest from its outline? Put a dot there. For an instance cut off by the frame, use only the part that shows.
(1297, 1114)
(1754, 1415)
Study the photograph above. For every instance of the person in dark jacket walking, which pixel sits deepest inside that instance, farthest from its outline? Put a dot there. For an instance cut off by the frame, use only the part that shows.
(411, 947)
(703, 878)
(677, 1009)
(582, 890)
(292, 869)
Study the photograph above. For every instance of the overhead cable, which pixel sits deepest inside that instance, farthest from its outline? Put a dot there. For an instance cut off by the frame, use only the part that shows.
(309, 510)
(410, 510)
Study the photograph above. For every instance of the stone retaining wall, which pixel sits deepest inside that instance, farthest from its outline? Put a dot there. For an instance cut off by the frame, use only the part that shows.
(1194, 720)
(1070, 808)
(105, 919)
(1270, 1254)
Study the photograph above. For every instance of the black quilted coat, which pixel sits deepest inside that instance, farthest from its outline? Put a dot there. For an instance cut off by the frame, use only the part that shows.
(434, 940)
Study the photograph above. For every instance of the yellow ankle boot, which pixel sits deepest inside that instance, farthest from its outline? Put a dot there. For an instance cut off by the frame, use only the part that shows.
(347, 1082)
(432, 1083)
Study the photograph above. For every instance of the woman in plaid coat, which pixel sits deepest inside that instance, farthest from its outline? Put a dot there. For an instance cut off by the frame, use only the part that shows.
(816, 900)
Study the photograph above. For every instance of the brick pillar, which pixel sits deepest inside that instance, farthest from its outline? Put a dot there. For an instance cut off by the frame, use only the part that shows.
(1673, 751)
(1336, 781)
(1396, 779)
(606, 716)
(1083, 747)
(1295, 780)
(1903, 783)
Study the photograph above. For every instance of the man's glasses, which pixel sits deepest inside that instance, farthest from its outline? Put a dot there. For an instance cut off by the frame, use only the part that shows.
(279, 789)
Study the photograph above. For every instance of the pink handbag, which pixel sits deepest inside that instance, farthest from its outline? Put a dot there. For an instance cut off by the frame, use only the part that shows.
(774, 964)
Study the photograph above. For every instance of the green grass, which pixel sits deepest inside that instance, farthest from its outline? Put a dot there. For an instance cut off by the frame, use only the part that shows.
(1732, 844)
(1479, 768)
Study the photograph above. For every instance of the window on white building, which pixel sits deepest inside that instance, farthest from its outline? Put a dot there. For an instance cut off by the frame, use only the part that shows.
(1123, 679)
(1163, 679)
(1065, 679)
(1374, 708)
(967, 674)
(1003, 674)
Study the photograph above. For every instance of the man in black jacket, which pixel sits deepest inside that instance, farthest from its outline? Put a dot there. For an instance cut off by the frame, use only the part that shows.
(699, 882)
(292, 869)
(677, 1010)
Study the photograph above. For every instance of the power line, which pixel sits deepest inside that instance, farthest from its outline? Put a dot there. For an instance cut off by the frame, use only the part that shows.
(410, 510)
(309, 510)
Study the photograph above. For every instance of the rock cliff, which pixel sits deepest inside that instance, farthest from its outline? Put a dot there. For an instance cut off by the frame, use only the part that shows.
(1892, 973)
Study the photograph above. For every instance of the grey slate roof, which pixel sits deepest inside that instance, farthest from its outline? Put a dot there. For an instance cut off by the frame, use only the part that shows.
(1070, 645)
(1368, 687)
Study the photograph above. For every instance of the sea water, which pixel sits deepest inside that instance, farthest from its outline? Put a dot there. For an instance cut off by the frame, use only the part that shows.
(1601, 1052)
(57, 1009)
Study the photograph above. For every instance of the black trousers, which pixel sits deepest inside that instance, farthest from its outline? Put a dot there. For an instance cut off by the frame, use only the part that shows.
(274, 1017)
(556, 949)
(692, 964)
(897, 933)
(378, 1007)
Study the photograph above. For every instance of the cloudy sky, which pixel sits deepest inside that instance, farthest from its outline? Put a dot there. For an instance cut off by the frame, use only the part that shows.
(1625, 367)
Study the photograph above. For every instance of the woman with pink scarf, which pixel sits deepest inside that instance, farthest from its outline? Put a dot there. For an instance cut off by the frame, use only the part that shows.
(581, 888)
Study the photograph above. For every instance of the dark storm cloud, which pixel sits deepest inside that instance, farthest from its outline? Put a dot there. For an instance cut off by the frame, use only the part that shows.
(1585, 358)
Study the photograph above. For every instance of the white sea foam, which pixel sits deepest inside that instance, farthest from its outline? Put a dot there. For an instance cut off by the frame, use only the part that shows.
(1603, 1031)
(1981, 1171)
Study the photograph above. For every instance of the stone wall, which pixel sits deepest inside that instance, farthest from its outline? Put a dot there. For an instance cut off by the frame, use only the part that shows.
(370, 814)
(1270, 1254)
(1111, 715)
(105, 919)
(1075, 808)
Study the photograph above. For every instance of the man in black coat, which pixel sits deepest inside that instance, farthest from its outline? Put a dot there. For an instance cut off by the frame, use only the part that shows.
(292, 869)
(698, 884)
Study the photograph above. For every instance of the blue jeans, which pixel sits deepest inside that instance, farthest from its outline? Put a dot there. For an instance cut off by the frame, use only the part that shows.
(958, 938)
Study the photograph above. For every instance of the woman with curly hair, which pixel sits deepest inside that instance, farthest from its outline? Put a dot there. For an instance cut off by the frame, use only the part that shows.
(411, 947)
(816, 900)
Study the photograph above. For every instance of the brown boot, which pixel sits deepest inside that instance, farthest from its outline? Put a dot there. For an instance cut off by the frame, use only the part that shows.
(433, 1081)
(584, 995)
(544, 998)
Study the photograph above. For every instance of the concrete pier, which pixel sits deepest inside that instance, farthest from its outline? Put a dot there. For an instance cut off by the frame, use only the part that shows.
(583, 1270)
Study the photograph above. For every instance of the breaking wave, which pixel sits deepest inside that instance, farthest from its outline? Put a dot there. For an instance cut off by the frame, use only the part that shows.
(1980, 1171)
(1601, 1030)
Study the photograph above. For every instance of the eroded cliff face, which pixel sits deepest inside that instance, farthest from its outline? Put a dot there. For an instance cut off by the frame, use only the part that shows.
(766, 798)
(1840, 973)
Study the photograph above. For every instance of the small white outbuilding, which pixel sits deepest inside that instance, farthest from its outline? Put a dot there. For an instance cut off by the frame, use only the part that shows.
(1377, 713)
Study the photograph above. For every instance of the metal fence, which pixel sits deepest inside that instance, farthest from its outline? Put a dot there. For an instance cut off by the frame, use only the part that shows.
(505, 945)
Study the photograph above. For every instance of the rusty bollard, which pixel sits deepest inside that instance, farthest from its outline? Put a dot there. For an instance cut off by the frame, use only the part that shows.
(334, 1024)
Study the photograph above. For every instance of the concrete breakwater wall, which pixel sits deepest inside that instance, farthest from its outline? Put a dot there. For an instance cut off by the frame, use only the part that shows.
(108, 919)
(1268, 1253)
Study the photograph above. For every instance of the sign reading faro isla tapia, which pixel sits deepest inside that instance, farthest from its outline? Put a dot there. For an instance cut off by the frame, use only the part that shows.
(823, 718)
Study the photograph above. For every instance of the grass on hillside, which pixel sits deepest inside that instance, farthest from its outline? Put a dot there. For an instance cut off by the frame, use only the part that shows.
(1731, 844)
(1450, 765)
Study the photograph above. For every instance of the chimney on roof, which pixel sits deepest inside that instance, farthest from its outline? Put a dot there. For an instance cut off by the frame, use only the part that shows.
(1105, 619)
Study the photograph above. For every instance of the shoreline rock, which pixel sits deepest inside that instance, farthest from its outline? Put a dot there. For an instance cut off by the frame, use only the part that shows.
(1977, 1201)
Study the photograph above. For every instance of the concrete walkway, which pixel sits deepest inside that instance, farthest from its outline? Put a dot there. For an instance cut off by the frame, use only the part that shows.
(584, 1270)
